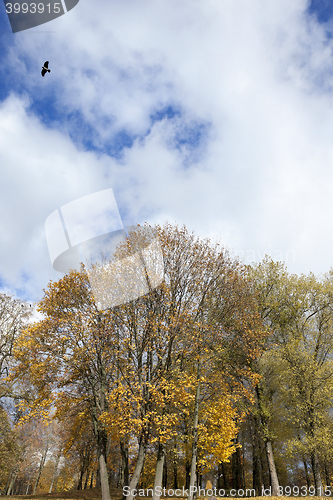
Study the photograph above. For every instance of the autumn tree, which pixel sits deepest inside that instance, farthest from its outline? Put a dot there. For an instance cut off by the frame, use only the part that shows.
(137, 354)
(298, 312)
(9, 449)
(204, 304)
(306, 390)
(68, 356)
(14, 315)
(278, 309)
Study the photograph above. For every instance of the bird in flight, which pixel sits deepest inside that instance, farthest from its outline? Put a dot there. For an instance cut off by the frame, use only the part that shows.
(46, 68)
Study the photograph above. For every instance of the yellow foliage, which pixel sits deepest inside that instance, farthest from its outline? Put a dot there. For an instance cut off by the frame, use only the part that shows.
(217, 430)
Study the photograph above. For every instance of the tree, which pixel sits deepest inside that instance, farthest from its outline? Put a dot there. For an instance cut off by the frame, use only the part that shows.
(68, 357)
(9, 450)
(277, 309)
(299, 312)
(14, 315)
(204, 298)
(139, 354)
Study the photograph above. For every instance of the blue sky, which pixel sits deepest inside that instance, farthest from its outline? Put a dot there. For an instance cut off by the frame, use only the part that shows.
(323, 10)
(217, 114)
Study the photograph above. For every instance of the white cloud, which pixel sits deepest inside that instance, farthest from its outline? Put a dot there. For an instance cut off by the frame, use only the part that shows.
(256, 75)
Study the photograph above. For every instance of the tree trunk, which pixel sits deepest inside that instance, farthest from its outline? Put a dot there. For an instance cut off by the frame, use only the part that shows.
(41, 466)
(16, 489)
(102, 441)
(273, 477)
(256, 463)
(236, 468)
(224, 478)
(124, 467)
(195, 436)
(272, 470)
(243, 470)
(327, 473)
(316, 474)
(11, 484)
(175, 476)
(104, 477)
(79, 484)
(138, 467)
(187, 476)
(165, 473)
(4, 492)
(87, 479)
(92, 480)
(26, 491)
(55, 472)
(307, 477)
(99, 405)
(159, 469)
(98, 478)
(264, 464)
(219, 476)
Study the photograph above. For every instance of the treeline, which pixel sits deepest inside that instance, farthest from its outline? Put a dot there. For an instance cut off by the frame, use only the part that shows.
(223, 373)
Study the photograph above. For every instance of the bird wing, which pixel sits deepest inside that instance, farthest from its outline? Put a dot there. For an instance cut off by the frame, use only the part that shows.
(46, 64)
(43, 72)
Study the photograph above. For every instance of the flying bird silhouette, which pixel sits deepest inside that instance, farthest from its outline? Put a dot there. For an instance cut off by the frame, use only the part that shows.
(46, 68)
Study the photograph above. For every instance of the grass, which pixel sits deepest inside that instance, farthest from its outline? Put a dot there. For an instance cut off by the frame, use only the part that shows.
(89, 494)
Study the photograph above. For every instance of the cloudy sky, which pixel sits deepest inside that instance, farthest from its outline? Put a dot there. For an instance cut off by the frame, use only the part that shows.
(217, 114)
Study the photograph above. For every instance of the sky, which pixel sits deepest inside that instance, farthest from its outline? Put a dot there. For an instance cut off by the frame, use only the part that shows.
(216, 114)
